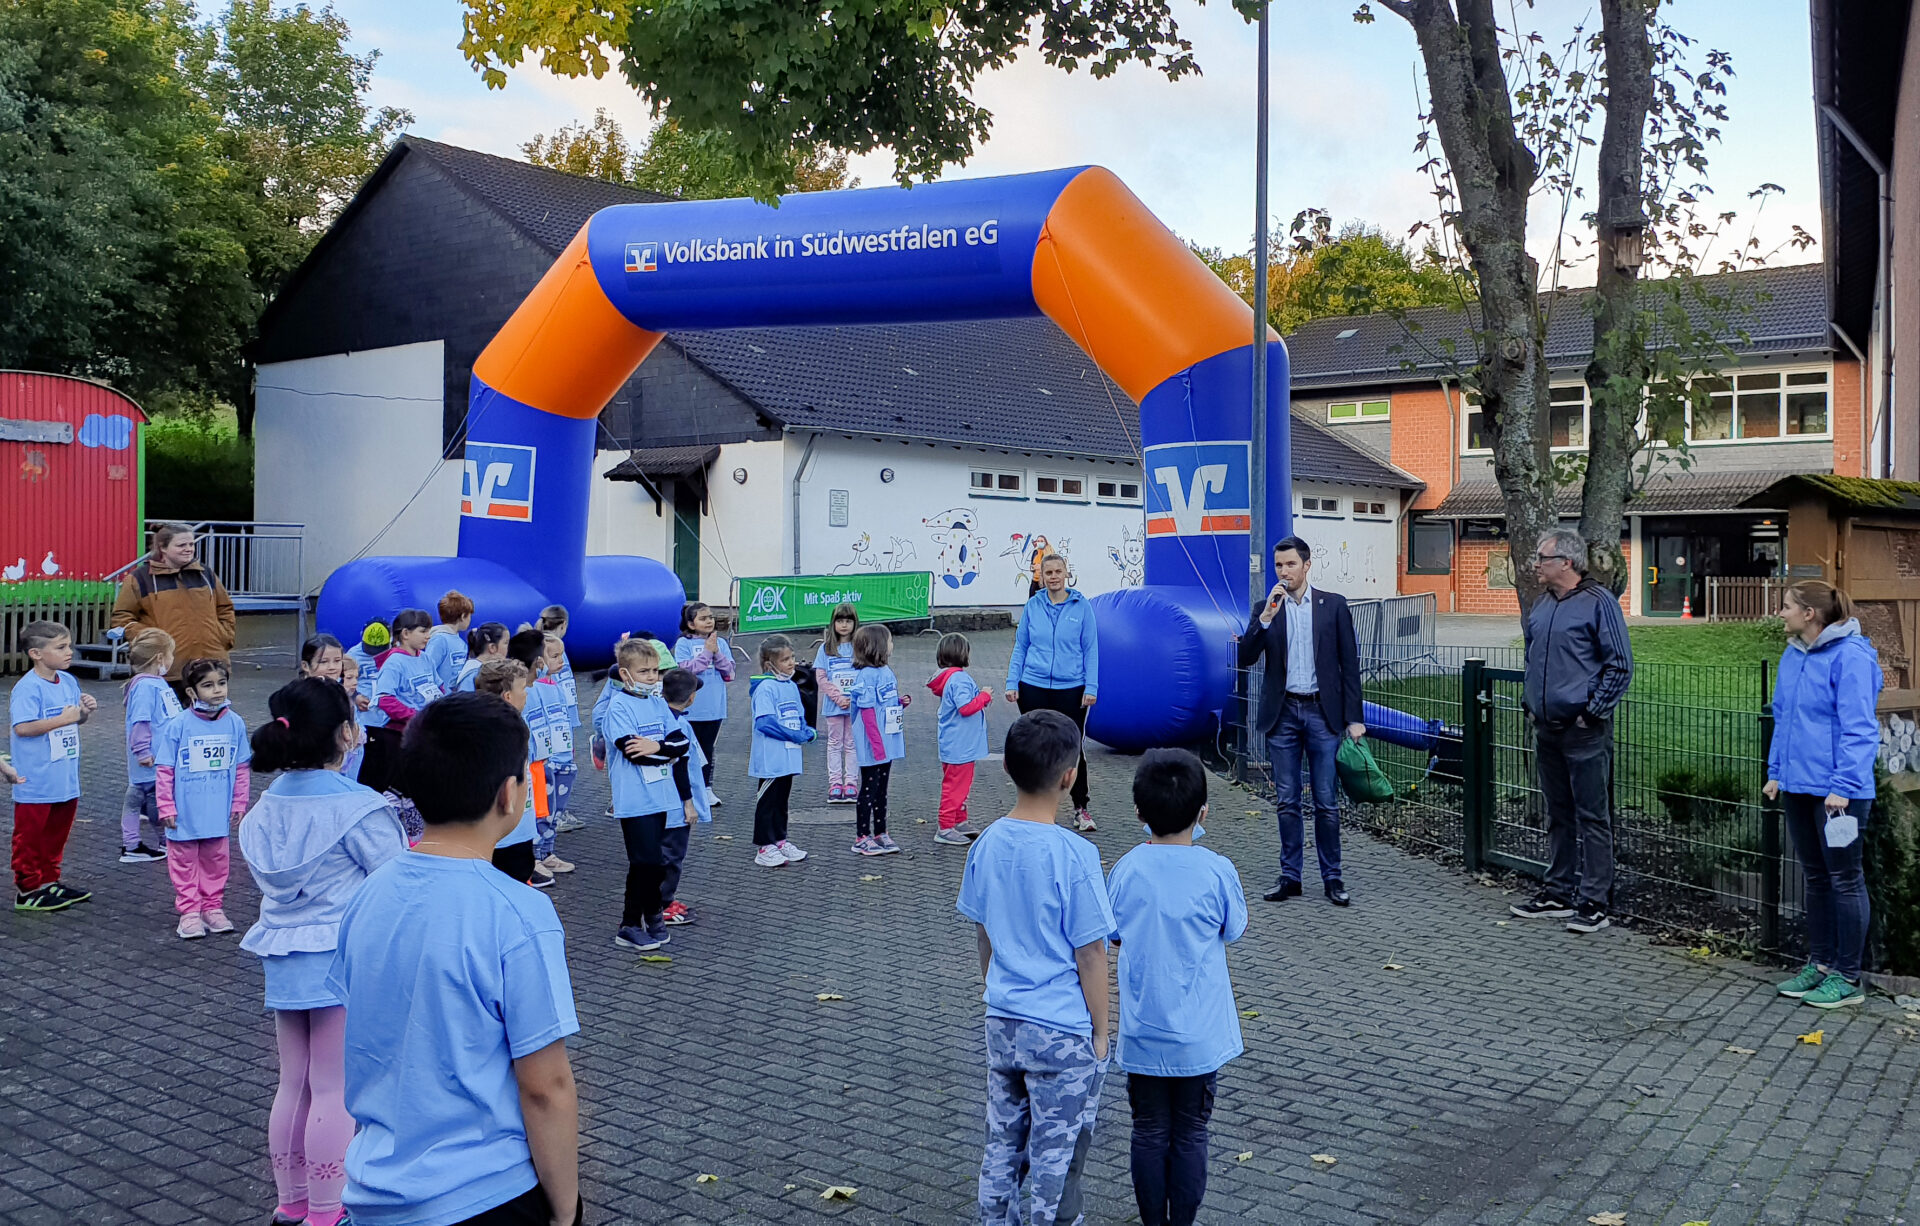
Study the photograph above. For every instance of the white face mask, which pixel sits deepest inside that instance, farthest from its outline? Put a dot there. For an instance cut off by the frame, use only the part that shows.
(210, 708)
(642, 689)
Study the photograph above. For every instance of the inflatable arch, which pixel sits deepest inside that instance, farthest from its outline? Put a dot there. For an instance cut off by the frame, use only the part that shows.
(1073, 244)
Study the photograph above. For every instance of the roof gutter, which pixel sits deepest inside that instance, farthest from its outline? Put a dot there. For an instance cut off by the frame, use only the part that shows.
(1883, 280)
(799, 475)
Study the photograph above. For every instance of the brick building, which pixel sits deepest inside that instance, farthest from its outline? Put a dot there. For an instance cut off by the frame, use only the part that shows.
(1794, 402)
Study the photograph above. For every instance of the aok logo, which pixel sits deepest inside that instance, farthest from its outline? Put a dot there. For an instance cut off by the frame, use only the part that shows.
(767, 602)
(643, 257)
(1198, 489)
(497, 482)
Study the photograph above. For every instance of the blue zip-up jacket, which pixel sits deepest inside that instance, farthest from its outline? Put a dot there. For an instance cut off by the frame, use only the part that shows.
(1826, 727)
(1057, 646)
(1578, 659)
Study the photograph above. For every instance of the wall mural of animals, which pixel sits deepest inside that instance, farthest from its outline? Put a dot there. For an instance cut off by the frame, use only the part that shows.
(1129, 557)
(957, 532)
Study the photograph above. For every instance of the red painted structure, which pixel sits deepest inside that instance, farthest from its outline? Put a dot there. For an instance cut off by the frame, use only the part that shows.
(71, 488)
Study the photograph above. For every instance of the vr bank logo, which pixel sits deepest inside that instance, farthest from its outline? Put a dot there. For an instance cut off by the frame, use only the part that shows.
(642, 257)
(1198, 489)
(498, 482)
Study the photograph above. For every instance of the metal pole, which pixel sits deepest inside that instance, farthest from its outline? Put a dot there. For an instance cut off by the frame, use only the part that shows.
(1257, 522)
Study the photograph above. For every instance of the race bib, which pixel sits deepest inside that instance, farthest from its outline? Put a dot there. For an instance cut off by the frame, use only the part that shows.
(208, 753)
(425, 692)
(893, 720)
(793, 718)
(64, 743)
(655, 774)
(559, 741)
(169, 705)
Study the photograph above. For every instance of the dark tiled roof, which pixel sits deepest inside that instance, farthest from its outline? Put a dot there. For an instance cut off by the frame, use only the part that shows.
(1666, 493)
(1786, 310)
(1321, 455)
(548, 206)
(646, 462)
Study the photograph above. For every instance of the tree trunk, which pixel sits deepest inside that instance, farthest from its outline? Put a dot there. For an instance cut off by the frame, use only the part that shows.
(1493, 172)
(1620, 367)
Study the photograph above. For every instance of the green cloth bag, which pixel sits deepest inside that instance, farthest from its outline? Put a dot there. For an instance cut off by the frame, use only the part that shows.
(1360, 775)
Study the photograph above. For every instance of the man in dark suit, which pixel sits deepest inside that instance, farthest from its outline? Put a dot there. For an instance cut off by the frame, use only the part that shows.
(1309, 698)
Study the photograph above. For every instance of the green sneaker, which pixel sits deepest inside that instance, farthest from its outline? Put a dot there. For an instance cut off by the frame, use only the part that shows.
(1835, 992)
(42, 899)
(1806, 981)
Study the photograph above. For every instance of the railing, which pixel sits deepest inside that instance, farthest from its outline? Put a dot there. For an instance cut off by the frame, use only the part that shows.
(84, 607)
(263, 566)
(1743, 600)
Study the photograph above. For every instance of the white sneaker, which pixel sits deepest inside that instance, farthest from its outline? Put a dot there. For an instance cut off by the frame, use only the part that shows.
(554, 864)
(1083, 821)
(713, 799)
(770, 856)
(793, 854)
(191, 927)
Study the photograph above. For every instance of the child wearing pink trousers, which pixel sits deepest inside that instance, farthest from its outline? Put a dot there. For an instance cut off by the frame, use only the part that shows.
(833, 670)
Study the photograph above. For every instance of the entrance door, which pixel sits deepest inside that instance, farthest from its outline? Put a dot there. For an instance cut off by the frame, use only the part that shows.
(1670, 577)
(686, 535)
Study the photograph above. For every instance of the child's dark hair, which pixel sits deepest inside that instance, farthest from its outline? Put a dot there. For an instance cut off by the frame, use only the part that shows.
(1040, 746)
(953, 652)
(199, 670)
(1169, 790)
(35, 635)
(678, 686)
(872, 646)
(771, 647)
(527, 646)
(689, 611)
(457, 752)
(304, 733)
(497, 676)
(411, 619)
(316, 647)
(454, 606)
(833, 639)
(554, 617)
(485, 635)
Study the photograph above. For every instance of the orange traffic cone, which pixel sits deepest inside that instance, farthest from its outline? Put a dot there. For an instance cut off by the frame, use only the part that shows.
(1686, 608)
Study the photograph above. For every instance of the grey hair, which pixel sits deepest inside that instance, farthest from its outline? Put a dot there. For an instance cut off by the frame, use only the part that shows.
(1567, 544)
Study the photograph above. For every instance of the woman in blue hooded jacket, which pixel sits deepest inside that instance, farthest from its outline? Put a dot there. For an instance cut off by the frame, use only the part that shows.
(1826, 733)
(1056, 663)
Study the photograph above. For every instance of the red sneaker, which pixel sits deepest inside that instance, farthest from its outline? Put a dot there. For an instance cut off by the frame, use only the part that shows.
(676, 914)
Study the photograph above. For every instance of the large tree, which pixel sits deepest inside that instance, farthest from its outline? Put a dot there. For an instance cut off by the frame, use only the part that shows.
(675, 162)
(1358, 270)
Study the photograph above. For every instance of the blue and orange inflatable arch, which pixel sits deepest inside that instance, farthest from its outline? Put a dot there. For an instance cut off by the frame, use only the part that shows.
(1073, 244)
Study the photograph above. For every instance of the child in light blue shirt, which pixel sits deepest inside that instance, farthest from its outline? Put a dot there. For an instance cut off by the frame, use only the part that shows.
(446, 650)
(203, 785)
(646, 764)
(44, 714)
(779, 730)
(150, 703)
(962, 722)
(709, 657)
(1176, 907)
(833, 673)
(879, 736)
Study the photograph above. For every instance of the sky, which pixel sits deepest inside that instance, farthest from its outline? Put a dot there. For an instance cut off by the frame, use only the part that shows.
(1343, 108)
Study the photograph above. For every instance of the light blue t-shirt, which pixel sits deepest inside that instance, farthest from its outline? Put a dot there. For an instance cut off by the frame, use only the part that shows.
(408, 678)
(534, 717)
(50, 762)
(839, 669)
(569, 690)
(770, 757)
(150, 701)
(555, 726)
(446, 654)
(1176, 909)
(367, 682)
(1036, 888)
(710, 700)
(963, 738)
(434, 1023)
(639, 790)
(696, 767)
(877, 689)
(204, 754)
(468, 671)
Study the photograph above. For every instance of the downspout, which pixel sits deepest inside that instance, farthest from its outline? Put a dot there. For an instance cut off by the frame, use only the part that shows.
(1882, 290)
(1866, 442)
(799, 475)
(1453, 479)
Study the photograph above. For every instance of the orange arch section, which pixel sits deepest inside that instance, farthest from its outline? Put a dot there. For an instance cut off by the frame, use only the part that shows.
(601, 349)
(1127, 291)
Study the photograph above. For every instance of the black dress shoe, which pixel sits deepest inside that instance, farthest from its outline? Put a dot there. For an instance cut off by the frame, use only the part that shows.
(1337, 894)
(1282, 889)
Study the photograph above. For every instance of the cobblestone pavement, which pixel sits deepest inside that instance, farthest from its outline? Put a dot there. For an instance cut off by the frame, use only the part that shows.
(1461, 1067)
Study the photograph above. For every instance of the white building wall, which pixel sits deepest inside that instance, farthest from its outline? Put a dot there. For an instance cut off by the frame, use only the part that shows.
(621, 517)
(745, 531)
(342, 444)
(1355, 554)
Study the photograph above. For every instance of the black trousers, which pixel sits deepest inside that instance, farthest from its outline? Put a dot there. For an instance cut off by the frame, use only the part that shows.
(530, 1208)
(706, 731)
(645, 838)
(1067, 702)
(381, 764)
(673, 853)
(1169, 1158)
(871, 810)
(515, 861)
(770, 810)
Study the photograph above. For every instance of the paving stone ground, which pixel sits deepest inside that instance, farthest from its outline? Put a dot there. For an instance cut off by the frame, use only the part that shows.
(1500, 1072)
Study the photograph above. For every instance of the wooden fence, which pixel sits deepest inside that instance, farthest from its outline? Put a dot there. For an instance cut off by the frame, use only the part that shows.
(1743, 600)
(84, 608)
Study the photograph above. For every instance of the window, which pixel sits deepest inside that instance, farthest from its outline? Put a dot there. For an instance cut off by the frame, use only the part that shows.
(1429, 547)
(1762, 405)
(1059, 488)
(1359, 410)
(1362, 506)
(1117, 491)
(1312, 505)
(993, 483)
(1566, 419)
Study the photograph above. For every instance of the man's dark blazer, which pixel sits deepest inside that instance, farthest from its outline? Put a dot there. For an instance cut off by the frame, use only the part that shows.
(1336, 662)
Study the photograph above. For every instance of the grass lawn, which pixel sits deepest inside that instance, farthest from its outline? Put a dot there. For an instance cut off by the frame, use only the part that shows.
(1723, 644)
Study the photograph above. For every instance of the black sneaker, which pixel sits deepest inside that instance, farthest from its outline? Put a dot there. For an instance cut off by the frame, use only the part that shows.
(42, 899)
(1589, 918)
(141, 854)
(66, 893)
(1542, 906)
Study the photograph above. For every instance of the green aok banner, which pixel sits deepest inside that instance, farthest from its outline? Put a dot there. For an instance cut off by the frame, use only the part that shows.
(806, 602)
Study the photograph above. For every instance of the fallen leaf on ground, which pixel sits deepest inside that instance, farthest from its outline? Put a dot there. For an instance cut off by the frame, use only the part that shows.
(921, 820)
(1702, 952)
(1740, 1051)
(1253, 813)
(706, 1179)
(1608, 1219)
(870, 877)
(1814, 1038)
(792, 1186)
(1324, 1159)
(656, 957)
(1699, 1223)
(1905, 1032)
(1249, 1014)
(1243, 1157)
(724, 838)
(1499, 923)
(1647, 1091)
(838, 1192)
(1393, 966)
(828, 996)
(1913, 1017)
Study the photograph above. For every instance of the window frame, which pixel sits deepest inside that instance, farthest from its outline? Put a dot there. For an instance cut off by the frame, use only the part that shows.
(1018, 494)
(1414, 524)
(1782, 390)
(1119, 498)
(1360, 414)
(1041, 495)
(1468, 408)
(1383, 515)
(1320, 510)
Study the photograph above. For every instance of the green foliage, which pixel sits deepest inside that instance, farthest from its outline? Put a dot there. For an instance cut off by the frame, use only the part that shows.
(198, 470)
(675, 162)
(1317, 273)
(1723, 643)
(1691, 796)
(1892, 856)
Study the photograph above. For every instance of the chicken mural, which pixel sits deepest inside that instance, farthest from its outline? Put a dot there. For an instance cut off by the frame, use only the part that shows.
(957, 533)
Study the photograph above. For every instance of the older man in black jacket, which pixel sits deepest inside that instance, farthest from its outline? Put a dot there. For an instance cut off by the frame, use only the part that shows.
(1311, 693)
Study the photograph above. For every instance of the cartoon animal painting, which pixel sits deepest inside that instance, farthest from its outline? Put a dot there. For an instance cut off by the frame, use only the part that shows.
(33, 467)
(957, 533)
(862, 558)
(898, 553)
(48, 566)
(1130, 556)
(15, 572)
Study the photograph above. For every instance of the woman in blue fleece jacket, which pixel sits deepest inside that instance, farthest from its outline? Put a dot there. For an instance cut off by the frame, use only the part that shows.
(1826, 734)
(1056, 663)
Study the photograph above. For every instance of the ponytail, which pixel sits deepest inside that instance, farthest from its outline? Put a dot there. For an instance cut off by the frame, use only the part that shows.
(1826, 602)
(303, 734)
(483, 636)
(147, 646)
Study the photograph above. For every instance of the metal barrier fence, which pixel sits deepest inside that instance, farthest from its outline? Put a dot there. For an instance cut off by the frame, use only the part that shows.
(1695, 846)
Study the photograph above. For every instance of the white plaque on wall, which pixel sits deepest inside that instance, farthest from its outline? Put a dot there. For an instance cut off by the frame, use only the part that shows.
(837, 502)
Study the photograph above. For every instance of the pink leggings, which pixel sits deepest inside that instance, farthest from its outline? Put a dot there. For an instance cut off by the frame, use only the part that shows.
(843, 769)
(309, 1128)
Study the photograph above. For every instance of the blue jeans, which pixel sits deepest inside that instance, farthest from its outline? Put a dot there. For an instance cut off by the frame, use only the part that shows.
(1303, 727)
(1838, 910)
(1169, 1152)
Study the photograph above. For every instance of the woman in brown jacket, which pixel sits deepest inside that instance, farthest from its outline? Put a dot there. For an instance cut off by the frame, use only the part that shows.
(169, 590)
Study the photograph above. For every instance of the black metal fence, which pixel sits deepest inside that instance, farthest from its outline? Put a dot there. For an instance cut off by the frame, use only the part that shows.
(1696, 847)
